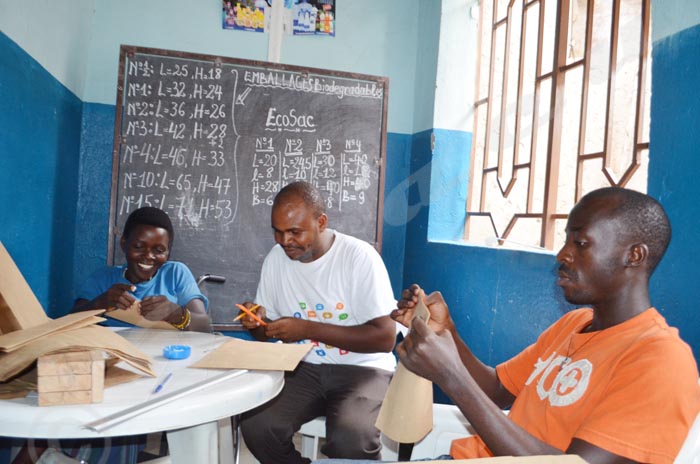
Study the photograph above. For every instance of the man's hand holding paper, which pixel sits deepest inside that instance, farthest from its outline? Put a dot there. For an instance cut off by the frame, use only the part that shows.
(440, 319)
(428, 354)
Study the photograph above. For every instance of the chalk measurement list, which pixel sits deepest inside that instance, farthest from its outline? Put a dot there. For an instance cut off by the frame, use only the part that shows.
(344, 177)
(174, 141)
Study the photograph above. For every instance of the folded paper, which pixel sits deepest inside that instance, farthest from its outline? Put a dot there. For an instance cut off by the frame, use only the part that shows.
(406, 415)
(96, 337)
(13, 340)
(19, 307)
(133, 316)
(263, 356)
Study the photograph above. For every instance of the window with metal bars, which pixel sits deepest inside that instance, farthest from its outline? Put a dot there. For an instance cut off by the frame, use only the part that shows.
(561, 108)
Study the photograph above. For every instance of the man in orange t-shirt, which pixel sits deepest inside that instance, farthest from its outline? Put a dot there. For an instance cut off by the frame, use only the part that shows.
(612, 383)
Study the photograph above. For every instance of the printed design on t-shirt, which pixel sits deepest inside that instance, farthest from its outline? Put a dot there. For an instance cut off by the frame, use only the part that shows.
(560, 381)
(320, 351)
(319, 312)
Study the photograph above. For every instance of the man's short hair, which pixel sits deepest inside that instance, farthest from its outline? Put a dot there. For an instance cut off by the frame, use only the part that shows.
(306, 192)
(149, 216)
(641, 219)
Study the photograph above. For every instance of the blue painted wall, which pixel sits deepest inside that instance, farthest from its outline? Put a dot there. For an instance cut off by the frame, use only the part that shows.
(39, 138)
(674, 163)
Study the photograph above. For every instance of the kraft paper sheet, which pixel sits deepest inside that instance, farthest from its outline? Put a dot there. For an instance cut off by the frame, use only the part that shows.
(19, 307)
(90, 337)
(262, 356)
(406, 415)
(132, 315)
(19, 387)
(13, 340)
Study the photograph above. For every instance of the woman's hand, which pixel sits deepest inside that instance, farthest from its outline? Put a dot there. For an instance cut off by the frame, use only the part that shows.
(159, 308)
(119, 296)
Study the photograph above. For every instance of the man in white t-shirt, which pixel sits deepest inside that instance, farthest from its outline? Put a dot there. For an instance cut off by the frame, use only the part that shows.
(332, 290)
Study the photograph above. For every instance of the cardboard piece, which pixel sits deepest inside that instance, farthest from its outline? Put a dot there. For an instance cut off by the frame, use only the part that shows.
(92, 337)
(549, 459)
(406, 415)
(13, 340)
(132, 315)
(263, 356)
(21, 386)
(70, 378)
(19, 307)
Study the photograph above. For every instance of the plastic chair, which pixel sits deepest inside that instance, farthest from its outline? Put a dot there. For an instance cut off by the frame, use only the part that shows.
(690, 451)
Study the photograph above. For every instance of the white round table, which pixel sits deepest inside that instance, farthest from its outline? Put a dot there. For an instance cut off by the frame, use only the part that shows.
(191, 420)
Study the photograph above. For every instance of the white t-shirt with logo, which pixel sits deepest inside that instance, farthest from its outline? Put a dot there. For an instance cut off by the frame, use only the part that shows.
(349, 285)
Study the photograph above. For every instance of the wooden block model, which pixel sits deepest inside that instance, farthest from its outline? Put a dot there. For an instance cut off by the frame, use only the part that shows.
(70, 378)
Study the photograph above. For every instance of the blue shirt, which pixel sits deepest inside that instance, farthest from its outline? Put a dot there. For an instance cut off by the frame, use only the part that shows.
(173, 280)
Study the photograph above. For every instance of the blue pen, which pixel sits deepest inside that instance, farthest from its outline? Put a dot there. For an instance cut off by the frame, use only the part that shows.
(162, 384)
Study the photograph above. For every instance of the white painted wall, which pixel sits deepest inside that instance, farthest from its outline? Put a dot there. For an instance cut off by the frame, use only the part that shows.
(428, 44)
(671, 16)
(78, 41)
(454, 93)
(372, 37)
(55, 32)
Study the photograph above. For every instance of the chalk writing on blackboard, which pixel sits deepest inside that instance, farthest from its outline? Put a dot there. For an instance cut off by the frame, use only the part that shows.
(211, 140)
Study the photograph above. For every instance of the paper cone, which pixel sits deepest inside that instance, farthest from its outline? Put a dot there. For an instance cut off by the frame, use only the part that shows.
(406, 415)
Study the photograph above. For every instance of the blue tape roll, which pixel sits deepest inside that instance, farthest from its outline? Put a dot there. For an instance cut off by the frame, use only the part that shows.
(177, 351)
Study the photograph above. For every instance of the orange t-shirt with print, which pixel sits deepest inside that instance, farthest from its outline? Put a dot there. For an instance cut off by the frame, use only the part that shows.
(631, 390)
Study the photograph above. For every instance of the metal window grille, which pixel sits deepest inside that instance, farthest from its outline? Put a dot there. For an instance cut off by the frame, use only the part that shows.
(561, 108)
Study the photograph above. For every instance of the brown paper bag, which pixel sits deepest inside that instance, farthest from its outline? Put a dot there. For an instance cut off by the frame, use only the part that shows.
(406, 415)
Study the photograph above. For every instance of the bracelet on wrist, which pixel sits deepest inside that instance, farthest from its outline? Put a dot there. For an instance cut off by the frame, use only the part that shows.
(185, 321)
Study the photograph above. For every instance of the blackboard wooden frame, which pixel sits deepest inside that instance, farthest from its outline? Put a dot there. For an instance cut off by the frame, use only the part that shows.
(127, 52)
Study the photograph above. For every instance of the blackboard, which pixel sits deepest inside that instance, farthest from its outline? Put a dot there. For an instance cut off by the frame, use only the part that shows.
(211, 140)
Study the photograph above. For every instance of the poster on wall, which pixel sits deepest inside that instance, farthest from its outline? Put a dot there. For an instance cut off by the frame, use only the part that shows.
(310, 17)
(301, 17)
(245, 15)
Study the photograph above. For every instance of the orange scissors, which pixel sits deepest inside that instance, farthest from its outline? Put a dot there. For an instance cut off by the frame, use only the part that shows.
(250, 313)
